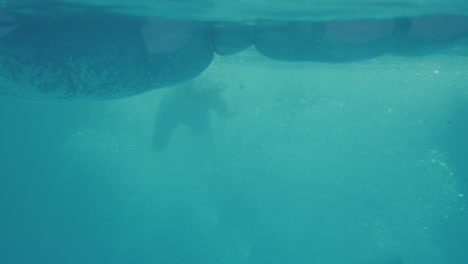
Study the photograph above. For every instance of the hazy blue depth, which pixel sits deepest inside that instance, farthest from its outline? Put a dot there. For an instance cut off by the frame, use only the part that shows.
(287, 163)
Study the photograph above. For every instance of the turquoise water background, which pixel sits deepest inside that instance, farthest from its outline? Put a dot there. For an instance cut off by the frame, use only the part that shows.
(315, 163)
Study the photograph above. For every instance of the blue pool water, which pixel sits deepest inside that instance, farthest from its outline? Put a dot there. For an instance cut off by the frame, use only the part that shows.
(255, 132)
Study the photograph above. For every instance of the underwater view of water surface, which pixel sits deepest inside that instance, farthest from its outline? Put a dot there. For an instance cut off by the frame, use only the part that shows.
(244, 132)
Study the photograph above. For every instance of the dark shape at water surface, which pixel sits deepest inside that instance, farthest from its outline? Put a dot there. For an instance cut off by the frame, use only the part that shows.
(231, 38)
(94, 55)
(426, 35)
(333, 41)
(51, 51)
(187, 105)
(355, 40)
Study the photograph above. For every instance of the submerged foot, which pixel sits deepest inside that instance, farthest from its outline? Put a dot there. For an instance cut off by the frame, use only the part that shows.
(189, 105)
